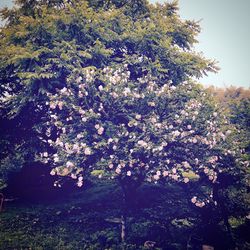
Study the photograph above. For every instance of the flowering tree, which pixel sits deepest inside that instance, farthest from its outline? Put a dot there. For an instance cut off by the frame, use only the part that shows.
(137, 130)
(108, 86)
(46, 44)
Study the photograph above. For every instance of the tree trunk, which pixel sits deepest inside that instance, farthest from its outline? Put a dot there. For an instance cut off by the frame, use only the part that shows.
(129, 188)
(1, 201)
(228, 226)
(224, 214)
(123, 228)
(124, 214)
(128, 192)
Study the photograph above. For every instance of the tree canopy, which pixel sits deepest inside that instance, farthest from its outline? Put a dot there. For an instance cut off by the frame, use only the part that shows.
(45, 45)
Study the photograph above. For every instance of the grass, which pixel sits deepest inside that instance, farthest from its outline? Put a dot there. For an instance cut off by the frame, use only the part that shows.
(81, 220)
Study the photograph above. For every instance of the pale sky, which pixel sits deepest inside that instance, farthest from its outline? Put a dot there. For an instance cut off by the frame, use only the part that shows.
(225, 37)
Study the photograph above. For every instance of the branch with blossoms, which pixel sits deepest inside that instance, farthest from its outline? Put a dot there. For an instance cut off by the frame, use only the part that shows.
(136, 129)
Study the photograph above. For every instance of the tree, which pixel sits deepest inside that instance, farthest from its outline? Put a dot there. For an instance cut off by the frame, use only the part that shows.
(136, 132)
(108, 86)
(232, 191)
(44, 44)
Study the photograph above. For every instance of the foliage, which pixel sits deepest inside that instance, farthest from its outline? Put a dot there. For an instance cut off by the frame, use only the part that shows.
(236, 100)
(234, 186)
(48, 44)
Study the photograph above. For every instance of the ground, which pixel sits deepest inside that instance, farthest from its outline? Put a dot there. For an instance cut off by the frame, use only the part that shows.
(86, 219)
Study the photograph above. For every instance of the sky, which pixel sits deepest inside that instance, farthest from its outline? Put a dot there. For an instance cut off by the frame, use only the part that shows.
(225, 37)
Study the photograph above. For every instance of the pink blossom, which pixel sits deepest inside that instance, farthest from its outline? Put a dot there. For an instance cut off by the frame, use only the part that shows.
(79, 136)
(60, 105)
(156, 177)
(87, 151)
(52, 172)
(110, 140)
(176, 133)
(152, 104)
(69, 164)
(200, 204)
(186, 164)
(79, 183)
(73, 176)
(210, 177)
(206, 170)
(194, 199)
(129, 173)
(52, 105)
(100, 131)
(56, 159)
(165, 173)
(194, 140)
(142, 143)
(118, 170)
(175, 177)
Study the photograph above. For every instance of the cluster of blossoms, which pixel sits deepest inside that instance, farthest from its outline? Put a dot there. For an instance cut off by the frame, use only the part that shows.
(133, 128)
(197, 203)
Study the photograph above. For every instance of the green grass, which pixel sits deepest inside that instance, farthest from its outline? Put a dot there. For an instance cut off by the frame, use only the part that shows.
(79, 221)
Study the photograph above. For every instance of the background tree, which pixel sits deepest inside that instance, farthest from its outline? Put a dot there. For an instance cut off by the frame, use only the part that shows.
(232, 191)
